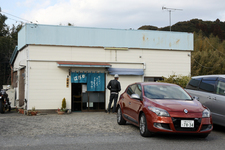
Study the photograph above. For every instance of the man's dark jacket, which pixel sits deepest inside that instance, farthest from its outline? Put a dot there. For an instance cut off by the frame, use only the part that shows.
(114, 86)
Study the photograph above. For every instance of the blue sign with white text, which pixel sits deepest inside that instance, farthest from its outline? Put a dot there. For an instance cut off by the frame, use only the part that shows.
(78, 77)
(95, 81)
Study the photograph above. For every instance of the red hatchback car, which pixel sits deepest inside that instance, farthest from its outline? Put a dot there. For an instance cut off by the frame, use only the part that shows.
(161, 107)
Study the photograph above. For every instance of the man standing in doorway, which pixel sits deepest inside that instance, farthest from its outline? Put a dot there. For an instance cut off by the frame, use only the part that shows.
(114, 87)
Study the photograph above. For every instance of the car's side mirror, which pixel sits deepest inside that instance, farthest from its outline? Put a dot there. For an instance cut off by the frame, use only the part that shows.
(135, 96)
(196, 97)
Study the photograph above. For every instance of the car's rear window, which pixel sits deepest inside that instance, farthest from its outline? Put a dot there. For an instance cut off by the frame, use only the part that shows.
(193, 84)
(165, 92)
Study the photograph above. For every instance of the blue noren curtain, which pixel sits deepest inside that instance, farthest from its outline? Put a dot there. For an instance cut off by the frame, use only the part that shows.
(95, 81)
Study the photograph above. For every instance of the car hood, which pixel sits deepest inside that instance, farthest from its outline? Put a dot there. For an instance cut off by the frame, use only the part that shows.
(179, 105)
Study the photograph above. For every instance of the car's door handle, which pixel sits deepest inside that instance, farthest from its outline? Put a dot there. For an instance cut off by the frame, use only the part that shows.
(209, 97)
(129, 103)
(214, 98)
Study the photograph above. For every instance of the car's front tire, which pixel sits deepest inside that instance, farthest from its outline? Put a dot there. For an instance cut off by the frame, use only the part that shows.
(143, 126)
(120, 119)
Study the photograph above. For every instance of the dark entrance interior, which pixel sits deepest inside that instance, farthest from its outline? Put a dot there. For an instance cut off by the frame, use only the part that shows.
(76, 96)
(83, 100)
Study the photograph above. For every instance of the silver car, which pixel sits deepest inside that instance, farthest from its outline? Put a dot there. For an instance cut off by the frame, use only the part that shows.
(210, 91)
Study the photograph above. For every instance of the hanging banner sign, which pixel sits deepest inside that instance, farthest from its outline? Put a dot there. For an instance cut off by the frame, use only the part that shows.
(78, 77)
(95, 81)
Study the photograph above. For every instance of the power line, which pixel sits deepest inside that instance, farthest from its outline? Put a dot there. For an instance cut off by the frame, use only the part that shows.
(16, 20)
(213, 48)
(15, 16)
(201, 64)
(211, 45)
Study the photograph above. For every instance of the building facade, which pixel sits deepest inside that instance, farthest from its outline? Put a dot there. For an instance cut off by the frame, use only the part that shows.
(76, 63)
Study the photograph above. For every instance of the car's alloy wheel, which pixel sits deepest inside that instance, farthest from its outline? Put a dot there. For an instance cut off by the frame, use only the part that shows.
(119, 115)
(143, 126)
(120, 119)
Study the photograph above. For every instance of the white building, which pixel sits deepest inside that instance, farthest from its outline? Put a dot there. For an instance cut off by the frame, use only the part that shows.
(47, 57)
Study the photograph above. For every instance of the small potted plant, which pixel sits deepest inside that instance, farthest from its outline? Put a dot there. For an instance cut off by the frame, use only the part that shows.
(63, 107)
(21, 111)
(33, 112)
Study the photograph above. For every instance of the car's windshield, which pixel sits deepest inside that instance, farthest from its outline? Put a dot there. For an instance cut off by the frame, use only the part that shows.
(165, 92)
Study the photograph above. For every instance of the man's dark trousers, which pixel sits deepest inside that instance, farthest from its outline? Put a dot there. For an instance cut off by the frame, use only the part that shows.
(112, 97)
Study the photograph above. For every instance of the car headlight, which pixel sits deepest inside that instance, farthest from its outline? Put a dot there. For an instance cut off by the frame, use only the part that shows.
(159, 111)
(206, 113)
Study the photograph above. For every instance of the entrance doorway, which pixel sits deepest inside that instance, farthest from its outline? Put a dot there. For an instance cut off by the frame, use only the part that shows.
(76, 96)
(83, 100)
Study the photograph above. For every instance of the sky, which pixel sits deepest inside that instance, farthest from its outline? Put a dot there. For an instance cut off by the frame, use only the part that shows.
(119, 14)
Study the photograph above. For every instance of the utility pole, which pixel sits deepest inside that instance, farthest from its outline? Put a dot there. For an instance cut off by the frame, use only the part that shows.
(170, 10)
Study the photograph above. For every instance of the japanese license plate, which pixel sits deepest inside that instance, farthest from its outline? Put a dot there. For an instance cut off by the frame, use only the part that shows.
(187, 123)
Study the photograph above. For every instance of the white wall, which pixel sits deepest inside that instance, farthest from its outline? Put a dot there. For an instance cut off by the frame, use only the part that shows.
(67, 53)
(47, 86)
(164, 63)
(158, 62)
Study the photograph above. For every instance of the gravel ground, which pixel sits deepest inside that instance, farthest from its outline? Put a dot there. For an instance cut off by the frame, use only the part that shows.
(89, 130)
(74, 124)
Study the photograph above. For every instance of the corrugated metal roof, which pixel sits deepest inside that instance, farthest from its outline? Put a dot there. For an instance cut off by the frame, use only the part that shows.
(102, 37)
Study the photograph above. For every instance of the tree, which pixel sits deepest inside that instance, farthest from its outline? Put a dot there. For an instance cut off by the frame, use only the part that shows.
(195, 25)
(208, 56)
(8, 41)
(148, 28)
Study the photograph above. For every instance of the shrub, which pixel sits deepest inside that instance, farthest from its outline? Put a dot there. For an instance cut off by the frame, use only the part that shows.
(63, 104)
(177, 79)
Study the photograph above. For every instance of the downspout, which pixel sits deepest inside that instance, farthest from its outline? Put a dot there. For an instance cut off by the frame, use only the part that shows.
(11, 75)
(27, 97)
(144, 67)
(27, 80)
